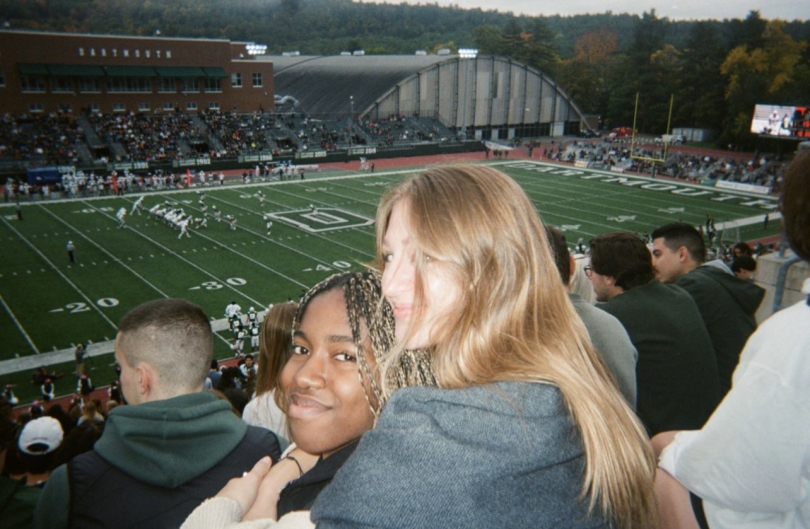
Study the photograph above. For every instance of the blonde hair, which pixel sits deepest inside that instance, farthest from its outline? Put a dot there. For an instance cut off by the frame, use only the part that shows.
(275, 345)
(514, 322)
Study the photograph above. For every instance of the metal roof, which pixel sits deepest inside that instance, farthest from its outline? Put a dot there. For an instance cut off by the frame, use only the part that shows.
(326, 85)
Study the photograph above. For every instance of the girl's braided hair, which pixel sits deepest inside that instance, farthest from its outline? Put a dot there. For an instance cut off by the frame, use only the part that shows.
(365, 304)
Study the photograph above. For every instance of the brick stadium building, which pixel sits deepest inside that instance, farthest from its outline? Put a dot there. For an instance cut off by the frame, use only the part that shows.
(70, 73)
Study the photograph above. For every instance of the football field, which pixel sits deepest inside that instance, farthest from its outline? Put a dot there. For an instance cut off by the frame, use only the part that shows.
(320, 226)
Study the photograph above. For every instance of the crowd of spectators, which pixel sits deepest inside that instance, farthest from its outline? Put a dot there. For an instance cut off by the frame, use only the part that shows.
(39, 139)
(147, 137)
(397, 129)
(643, 158)
(240, 133)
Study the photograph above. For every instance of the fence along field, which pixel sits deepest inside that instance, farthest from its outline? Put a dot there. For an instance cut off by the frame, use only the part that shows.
(320, 226)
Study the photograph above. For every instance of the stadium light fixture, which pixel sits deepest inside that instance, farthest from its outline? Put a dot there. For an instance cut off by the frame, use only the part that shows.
(467, 53)
(255, 49)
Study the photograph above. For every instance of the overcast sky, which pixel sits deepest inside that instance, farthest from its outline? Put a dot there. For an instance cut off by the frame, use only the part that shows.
(672, 9)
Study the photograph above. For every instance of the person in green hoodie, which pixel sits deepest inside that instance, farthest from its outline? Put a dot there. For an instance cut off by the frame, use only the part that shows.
(727, 304)
(171, 447)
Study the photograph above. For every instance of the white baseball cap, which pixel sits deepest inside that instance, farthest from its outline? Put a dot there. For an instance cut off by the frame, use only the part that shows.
(41, 436)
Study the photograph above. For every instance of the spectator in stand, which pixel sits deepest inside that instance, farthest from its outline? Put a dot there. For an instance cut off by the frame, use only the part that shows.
(37, 443)
(676, 373)
(742, 248)
(90, 413)
(727, 305)
(264, 409)
(744, 267)
(17, 501)
(171, 447)
(213, 376)
(248, 368)
(341, 330)
(56, 411)
(747, 468)
(606, 332)
(36, 410)
(81, 439)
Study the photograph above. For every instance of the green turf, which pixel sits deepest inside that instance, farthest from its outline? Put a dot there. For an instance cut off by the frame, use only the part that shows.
(57, 304)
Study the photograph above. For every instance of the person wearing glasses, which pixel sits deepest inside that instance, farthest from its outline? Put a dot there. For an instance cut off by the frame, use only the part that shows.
(676, 373)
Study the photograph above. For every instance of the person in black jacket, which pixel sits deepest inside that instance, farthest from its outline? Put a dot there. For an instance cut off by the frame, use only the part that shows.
(171, 447)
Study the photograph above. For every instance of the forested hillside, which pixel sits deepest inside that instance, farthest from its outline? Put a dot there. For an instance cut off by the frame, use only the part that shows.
(717, 70)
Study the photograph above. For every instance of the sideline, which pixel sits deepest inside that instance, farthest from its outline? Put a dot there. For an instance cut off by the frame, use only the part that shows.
(94, 350)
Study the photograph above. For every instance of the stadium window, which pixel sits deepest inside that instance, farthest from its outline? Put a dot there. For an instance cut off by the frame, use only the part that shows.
(115, 52)
(137, 53)
(66, 109)
(213, 106)
(143, 85)
(129, 84)
(92, 52)
(168, 107)
(167, 85)
(144, 107)
(147, 54)
(32, 83)
(213, 85)
(191, 86)
(157, 54)
(103, 52)
(126, 52)
(257, 80)
(81, 51)
(168, 54)
(89, 85)
(119, 107)
(36, 108)
(61, 85)
(236, 80)
(191, 106)
(94, 108)
(115, 85)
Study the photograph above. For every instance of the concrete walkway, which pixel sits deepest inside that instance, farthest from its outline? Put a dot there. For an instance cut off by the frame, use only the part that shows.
(94, 350)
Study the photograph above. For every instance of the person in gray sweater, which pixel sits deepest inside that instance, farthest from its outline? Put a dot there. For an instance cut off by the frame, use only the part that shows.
(607, 333)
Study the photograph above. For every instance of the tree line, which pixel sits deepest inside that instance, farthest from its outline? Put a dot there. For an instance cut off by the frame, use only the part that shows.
(715, 71)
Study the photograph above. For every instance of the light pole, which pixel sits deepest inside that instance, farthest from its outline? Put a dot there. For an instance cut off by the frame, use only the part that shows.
(465, 53)
(351, 119)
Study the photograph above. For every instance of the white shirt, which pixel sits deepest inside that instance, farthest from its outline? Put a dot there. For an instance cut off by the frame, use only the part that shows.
(262, 411)
(751, 461)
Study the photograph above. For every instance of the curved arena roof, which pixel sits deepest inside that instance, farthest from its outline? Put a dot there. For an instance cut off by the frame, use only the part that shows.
(486, 91)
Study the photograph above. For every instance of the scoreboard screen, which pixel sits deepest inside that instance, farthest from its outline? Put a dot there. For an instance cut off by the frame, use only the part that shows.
(781, 121)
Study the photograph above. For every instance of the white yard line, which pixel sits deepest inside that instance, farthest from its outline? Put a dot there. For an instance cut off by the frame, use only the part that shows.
(274, 241)
(19, 325)
(59, 272)
(177, 255)
(114, 258)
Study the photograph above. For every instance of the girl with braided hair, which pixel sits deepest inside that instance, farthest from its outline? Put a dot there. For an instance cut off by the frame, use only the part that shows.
(331, 392)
